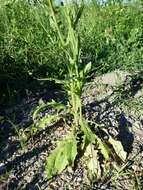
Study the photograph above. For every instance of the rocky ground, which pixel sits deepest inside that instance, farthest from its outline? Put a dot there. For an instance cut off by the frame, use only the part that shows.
(114, 100)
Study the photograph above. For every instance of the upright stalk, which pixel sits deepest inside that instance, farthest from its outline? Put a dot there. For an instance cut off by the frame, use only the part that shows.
(66, 151)
(72, 46)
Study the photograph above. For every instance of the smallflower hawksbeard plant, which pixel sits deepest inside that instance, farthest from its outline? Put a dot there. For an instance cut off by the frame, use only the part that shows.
(82, 138)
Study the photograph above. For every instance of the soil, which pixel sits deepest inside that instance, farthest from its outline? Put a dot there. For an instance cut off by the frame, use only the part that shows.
(116, 106)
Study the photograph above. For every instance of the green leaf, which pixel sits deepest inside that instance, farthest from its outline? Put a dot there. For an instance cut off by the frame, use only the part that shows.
(103, 148)
(41, 102)
(90, 137)
(42, 106)
(118, 148)
(85, 142)
(57, 106)
(87, 131)
(53, 79)
(62, 156)
(48, 120)
(81, 74)
(87, 68)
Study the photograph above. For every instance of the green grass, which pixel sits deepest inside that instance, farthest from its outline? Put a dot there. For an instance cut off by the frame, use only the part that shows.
(111, 38)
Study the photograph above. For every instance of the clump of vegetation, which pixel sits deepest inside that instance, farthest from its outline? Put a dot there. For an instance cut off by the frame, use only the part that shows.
(82, 138)
(66, 46)
(111, 36)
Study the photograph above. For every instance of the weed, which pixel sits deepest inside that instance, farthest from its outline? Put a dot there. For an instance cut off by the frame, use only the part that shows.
(21, 136)
(82, 138)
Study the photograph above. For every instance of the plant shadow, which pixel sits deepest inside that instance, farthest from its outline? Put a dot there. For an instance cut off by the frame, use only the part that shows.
(20, 114)
(107, 113)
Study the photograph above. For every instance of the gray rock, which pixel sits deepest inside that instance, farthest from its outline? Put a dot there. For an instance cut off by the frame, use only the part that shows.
(113, 78)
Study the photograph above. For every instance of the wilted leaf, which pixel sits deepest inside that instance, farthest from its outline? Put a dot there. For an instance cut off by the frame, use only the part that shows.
(118, 148)
(62, 156)
(92, 161)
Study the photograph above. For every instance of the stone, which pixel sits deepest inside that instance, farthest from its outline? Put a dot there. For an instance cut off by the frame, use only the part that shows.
(113, 78)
